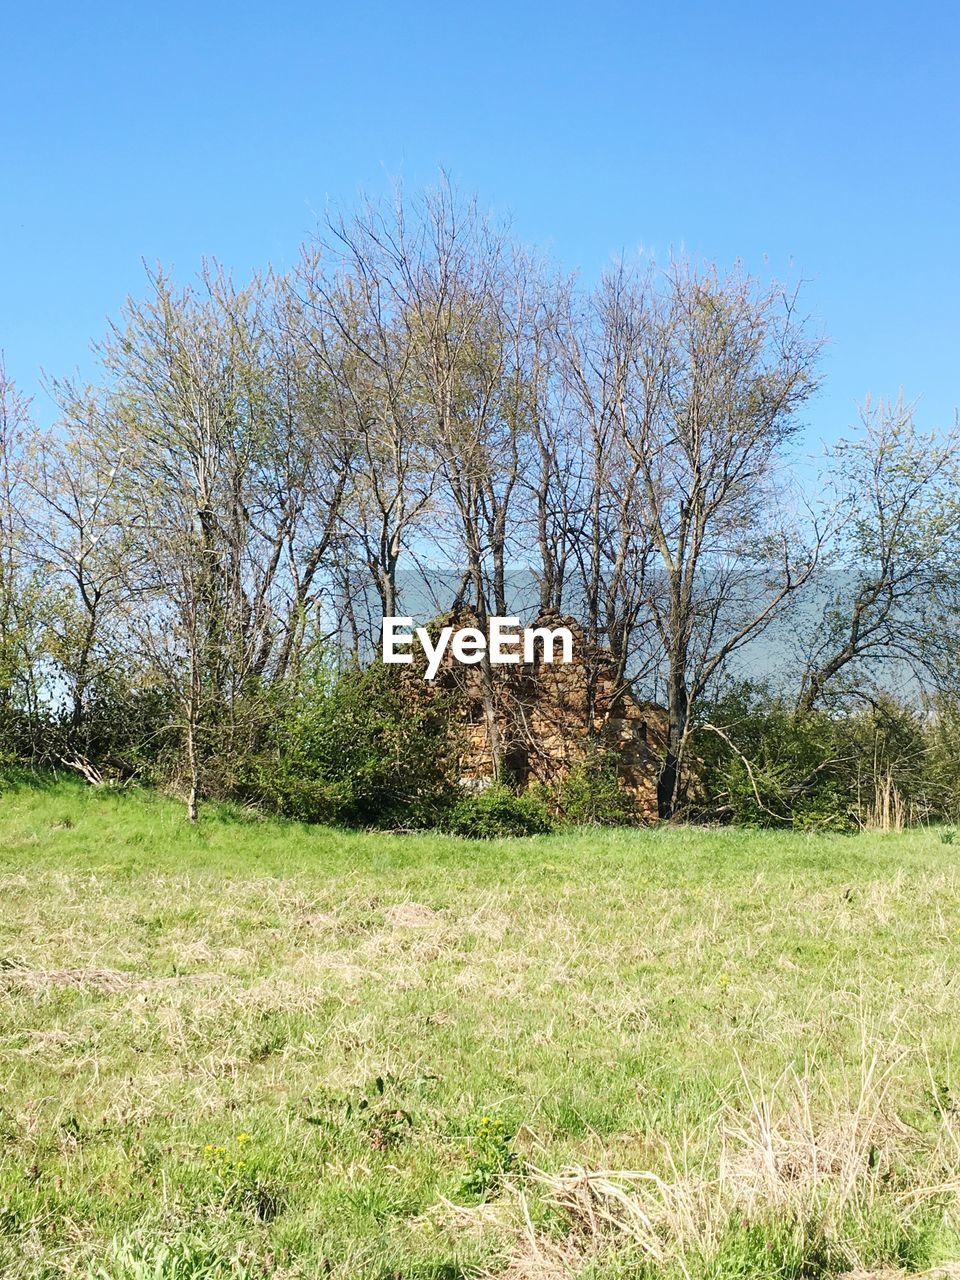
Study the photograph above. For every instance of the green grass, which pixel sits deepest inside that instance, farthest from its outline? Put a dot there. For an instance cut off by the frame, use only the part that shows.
(601, 1053)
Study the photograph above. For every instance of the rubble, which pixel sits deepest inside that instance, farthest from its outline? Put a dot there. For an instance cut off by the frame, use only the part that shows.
(545, 713)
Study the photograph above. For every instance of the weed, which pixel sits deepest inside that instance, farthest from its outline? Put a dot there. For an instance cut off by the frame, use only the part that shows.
(491, 1155)
(238, 1182)
(178, 1259)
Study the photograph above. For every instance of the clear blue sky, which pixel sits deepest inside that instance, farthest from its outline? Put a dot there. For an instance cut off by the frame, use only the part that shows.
(807, 139)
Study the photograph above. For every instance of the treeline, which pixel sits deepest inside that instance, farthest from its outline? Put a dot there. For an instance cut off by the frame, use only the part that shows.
(195, 556)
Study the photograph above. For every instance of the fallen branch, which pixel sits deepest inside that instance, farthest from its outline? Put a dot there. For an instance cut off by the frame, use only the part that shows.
(81, 765)
(780, 817)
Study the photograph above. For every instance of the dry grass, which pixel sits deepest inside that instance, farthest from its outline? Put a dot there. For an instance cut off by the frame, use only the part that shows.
(796, 1152)
(714, 1054)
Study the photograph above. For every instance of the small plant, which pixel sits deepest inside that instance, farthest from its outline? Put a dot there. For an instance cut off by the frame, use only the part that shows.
(948, 836)
(944, 1099)
(591, 793)
(239, 1183)
(384, 1126)
(178, 1259)
(492, 1156)
(498, 811)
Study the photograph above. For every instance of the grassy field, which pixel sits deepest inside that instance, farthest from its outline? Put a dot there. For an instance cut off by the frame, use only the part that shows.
(256, 1049)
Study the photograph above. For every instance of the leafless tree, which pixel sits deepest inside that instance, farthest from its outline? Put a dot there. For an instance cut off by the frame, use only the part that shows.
(19, 593)
(892, 591)
(218, 435)
(439, 336)
(605, 530)
(77, 536)
(715, 369)
(474, 311)
(357, 332)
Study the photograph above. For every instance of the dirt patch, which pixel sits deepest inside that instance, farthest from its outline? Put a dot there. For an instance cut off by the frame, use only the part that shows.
(318, 919)
(537, 1259)
(412, 915)
(22, 977)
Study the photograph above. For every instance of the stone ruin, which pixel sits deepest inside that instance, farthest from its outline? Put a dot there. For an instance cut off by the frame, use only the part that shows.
(544, 718)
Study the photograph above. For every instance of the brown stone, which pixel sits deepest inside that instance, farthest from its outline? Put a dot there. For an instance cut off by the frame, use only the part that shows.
(544, 713)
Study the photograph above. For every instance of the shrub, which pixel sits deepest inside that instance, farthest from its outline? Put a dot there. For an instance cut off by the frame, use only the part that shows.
(498, 811)
(762, 764)
(891, 775)
(285, 791)
(591, 793)
(125, 730)
(943, 759)
(360, 747)
(767, 767)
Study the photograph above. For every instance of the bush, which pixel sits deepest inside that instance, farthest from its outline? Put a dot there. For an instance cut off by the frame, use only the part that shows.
(359, 748)
(125, 731)
(498, 811)
(591, 793)
(798, 770)
(893, 774)
(942, 761)
(875, 767)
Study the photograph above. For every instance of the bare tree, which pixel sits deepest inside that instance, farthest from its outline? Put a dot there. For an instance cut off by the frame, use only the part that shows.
(439, 339)
(302, 477)
(607, 536)
(19, 591)
(892, 591)
(218, 433)
(474, 308)
(78, 537)
(358, 334)
(716, 368)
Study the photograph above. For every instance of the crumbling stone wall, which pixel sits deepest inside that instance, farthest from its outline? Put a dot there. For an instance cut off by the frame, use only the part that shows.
(544, 715)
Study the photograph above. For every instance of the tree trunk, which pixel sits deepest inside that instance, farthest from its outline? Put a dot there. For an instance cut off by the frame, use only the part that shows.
(490, 716)
(194, 775)
(192, 762)
(668, 784)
